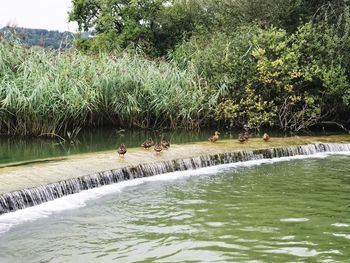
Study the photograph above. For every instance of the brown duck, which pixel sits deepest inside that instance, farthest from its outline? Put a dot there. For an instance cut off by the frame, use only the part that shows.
(164, 143)
(266, 137)
(158, 147)
(241, 138)
(122, 150)
(147, 143)
(215, 137)
(246, 135)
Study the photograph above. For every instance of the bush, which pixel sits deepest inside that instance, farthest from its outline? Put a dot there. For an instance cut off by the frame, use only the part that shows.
(268, 77)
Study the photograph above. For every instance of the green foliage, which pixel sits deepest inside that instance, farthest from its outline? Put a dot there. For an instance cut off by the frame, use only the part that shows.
(269, 77)
(149, 26)
(157, 26)
(243, 62)
(306, 74)
(46, 92)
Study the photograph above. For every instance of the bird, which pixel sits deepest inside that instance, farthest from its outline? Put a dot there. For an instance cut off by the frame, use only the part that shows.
(266, 137)
(246, 135)
(158, 147)
(163, 142)
(122, 150)
(241, 138)
(215, 137)
(147, 143)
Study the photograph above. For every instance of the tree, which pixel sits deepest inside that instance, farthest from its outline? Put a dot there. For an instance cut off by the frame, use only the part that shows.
(126, 23)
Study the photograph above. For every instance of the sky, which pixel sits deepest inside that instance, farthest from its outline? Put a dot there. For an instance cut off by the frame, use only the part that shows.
(42, 14)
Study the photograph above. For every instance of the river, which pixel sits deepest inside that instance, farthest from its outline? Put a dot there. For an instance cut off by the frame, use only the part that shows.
(258, 211)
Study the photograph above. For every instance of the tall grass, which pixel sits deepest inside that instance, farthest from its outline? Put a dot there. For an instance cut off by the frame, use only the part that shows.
(44, 91)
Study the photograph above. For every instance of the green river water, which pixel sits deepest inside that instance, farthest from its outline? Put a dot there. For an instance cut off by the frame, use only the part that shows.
(17, 150)
(291, 211)
(21, 149)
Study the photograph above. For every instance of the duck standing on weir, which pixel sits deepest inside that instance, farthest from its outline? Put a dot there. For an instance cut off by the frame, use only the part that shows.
(122, 150)
(246, 135)
(215, 137)
(241, 138)
(266, 137)
(147, 143)
(158, 147)
(163, 142)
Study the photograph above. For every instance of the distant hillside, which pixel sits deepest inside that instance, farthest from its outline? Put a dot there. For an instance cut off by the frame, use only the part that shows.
(41, 37)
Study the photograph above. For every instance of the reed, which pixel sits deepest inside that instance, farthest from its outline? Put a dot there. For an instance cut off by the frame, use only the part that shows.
(45, 91)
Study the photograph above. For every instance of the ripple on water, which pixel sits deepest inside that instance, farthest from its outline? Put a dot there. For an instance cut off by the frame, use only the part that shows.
(181, 217)
(294, 251)
(195, 220)
(294, 219)
(302, 251)
(215, 224)
(287, 238)
(346, 236)
(340, 225)
(262, 229)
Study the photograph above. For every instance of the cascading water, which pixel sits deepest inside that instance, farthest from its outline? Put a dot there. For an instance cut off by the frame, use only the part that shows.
(30, 197)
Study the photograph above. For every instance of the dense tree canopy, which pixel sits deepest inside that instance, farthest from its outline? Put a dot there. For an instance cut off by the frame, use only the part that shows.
(186, 63)
(144, 25)
(157, 26)
(266, 62)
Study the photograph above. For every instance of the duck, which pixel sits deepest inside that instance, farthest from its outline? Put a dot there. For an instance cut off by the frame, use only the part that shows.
(122, 150)
(246, 135)
(266, 137)
(147, 143)
(164, 143)
(158, 147)
(241, 138)
(215, 137)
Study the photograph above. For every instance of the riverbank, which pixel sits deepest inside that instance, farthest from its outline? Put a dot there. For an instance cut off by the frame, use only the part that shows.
(60, 169)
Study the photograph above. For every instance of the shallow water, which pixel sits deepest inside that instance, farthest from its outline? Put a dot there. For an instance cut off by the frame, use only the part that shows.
(20, 149)
(16, 150)
(296, 210)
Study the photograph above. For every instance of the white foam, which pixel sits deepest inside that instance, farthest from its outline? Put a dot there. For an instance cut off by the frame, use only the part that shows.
(8, 220)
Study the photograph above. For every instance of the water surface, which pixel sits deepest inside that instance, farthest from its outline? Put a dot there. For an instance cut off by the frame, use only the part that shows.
(19, 150)
(24, 149)
(294, 211)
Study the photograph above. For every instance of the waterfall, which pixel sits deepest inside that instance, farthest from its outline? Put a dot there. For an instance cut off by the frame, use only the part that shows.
(33, 196)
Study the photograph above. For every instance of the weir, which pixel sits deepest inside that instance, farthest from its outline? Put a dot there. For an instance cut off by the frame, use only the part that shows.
(24, 198)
